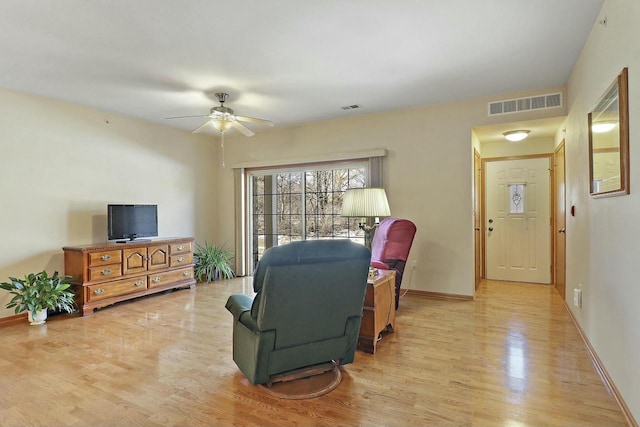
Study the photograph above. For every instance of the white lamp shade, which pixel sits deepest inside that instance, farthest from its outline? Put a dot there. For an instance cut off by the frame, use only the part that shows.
(365, 202)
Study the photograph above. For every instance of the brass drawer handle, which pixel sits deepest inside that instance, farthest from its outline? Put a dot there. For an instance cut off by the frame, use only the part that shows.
(181, 248)
(106, 272)
(98, 291)
(105, 257)
(156, 280)
(180, 259)
(139, 283)
(186, 273)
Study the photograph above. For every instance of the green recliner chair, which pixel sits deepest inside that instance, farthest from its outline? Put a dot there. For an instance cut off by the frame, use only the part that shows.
(307, 309)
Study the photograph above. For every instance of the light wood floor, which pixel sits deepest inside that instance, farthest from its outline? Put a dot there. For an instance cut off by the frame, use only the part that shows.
(512, 358)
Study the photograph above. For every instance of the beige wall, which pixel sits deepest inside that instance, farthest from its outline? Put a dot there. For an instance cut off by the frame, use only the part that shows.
(475, 142)
(427, 175)
(602, 239)
(559, 136)
(61, 164)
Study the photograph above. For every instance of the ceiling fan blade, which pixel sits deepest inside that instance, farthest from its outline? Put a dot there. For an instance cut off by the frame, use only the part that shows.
(244, 130)
(254, 120)
(204, 125)
(184, 117)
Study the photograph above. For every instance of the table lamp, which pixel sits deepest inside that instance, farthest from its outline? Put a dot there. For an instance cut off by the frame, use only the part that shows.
(366, 203)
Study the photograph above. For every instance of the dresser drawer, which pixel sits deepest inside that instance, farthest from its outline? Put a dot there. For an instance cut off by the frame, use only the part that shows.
(114, 289)
(105, 257)
(162, 279)
(178, 260)
(105, 272)
(180, 248)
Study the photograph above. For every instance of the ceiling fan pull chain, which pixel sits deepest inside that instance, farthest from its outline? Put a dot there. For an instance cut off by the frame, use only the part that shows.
(222, 146)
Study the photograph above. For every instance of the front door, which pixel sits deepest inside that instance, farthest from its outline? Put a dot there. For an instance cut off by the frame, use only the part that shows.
(518, 220)
(560, 220)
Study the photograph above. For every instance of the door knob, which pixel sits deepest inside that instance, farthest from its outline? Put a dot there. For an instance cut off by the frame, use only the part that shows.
(490, 228)
(562, 230)
(490, 221)
(477, 228)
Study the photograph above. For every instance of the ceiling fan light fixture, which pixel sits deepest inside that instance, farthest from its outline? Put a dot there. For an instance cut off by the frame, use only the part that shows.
(223, 119)
(516, 135)
(221, 125)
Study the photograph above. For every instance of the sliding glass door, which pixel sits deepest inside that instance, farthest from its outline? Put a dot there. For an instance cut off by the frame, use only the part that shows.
(291, 204)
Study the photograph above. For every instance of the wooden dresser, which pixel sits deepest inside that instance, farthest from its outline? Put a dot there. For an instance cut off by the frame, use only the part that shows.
(379, 311)
(113, 272)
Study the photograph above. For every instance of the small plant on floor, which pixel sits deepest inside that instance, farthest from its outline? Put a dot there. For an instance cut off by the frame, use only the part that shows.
(212, 262)
(38, 291)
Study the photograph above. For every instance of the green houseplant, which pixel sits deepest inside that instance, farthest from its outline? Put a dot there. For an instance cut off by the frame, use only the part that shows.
(38, 292)
(212, 262)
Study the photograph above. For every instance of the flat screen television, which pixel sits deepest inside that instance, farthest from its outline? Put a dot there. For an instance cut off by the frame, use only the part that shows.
(132, 221)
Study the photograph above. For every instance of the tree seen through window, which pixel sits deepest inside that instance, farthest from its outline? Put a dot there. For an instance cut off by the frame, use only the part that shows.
(301, 205)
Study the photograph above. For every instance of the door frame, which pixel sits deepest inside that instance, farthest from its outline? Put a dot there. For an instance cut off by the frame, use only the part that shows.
(549, 157)
(554, 228)
(478, 202)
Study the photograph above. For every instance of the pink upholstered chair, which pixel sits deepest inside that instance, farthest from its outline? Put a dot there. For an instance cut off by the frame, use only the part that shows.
(390, 247)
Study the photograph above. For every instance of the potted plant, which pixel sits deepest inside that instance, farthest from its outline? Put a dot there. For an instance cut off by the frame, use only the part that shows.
(38, 292)
(212, 262)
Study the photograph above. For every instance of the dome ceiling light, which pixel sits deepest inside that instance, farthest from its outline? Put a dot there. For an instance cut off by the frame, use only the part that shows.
(516, 135)
(602, 127)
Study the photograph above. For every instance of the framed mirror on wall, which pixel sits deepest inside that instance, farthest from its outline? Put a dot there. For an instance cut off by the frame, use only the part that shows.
(609, 140)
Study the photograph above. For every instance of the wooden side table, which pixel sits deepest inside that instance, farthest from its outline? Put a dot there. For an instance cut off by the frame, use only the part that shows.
(379, 311)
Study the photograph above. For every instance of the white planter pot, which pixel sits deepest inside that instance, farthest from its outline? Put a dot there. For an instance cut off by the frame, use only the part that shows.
(39, 318)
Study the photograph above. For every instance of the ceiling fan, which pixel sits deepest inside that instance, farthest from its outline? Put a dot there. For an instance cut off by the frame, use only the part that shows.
(223, 118)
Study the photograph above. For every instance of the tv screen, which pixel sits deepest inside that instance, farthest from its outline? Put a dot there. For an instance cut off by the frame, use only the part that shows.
(132, 221)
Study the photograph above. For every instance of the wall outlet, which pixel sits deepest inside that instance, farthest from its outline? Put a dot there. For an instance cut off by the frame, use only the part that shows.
(577, 297)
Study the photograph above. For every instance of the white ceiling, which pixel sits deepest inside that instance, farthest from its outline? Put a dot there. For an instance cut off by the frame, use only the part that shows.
(289, 61)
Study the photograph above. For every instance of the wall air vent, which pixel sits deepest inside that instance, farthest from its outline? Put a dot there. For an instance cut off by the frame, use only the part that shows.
(351, 107)
(538, 102)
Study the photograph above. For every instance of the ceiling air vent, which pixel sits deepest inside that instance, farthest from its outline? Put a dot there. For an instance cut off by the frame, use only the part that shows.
(538, 102)
(351, 107)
